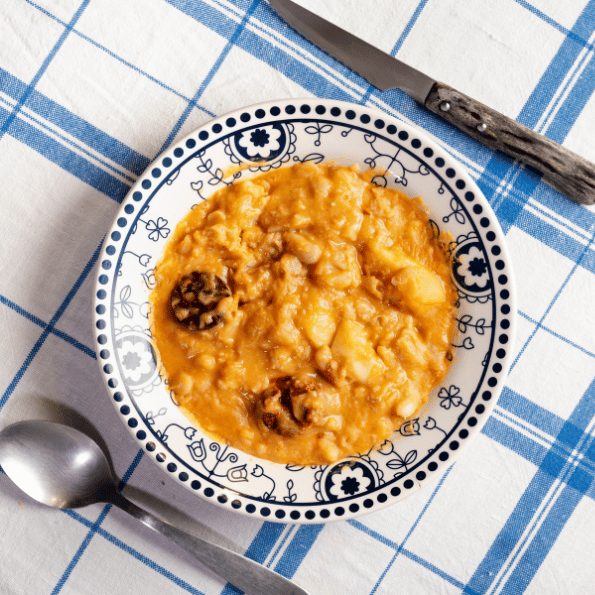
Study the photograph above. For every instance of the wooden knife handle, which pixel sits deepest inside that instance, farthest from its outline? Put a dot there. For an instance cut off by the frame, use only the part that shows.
(567, 172)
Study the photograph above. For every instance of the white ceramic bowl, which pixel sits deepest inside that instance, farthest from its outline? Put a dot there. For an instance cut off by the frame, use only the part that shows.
(274, 134)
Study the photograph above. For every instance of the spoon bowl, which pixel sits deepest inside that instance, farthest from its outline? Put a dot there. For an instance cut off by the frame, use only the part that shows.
(61, 467)
(54, 464)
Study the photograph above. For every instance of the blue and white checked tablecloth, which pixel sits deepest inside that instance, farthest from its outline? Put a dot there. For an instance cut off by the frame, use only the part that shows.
(91, 91)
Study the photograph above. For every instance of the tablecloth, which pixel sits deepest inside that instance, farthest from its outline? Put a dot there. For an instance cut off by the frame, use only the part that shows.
(91, 91)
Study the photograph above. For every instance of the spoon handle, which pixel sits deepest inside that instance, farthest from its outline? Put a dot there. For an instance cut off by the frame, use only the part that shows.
(245, 574)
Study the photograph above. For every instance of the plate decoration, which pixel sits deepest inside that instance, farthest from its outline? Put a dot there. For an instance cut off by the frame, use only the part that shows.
(254, 140)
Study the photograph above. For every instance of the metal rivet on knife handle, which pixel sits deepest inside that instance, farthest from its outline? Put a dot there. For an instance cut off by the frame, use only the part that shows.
(445, 106)
(562, 169)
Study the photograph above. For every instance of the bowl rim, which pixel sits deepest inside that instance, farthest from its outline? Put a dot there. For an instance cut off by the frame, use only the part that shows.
(270, 512)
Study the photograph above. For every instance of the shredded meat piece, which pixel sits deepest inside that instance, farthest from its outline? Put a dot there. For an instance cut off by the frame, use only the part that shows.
(195, 298)
(283, 406)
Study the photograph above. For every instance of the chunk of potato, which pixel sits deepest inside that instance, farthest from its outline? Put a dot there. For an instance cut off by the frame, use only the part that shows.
(412, 349)
(351, 345)
(387, 259)
(338, 267)
(319, 326)
(317, 318)
(420, 288)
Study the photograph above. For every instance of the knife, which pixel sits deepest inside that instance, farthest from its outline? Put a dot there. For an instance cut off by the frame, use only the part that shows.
(562, 169)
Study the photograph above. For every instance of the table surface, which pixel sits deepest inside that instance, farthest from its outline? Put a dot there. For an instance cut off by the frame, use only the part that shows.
(91, 91)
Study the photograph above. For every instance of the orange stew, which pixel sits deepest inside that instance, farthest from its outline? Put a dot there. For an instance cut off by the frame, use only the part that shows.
(302, 315)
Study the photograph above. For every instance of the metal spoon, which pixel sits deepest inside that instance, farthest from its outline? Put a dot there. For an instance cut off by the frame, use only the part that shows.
(62, 467)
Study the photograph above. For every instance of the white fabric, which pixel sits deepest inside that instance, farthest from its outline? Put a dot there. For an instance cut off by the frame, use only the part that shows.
(91, 91)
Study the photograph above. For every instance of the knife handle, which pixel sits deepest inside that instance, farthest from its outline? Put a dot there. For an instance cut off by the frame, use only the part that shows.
(562, 169)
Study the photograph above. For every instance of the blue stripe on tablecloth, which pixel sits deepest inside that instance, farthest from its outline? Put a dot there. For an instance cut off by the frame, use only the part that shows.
(74, 342)
(27, 91)
(148, 562)
(434, 569)
(371, 90)
(552, 468)
(543, 541)
(585, 250)
(529, 412)
(572, 87)
(39, 123)
(511, 432)
(558, 239)
(514, 440)
(30, 317)
(564, 61)
(37, 321)
(94, 528)
(544, 17)
(575, 102)
(552, 522)
(564, 211)
(300, 545)
(74, 126)
(214, 69)
(12, 86)
(132, 467)
(360, 526)
(540, 209)
(67, 159)
(400, 548)
(260, 548)
(80, 551)
(574, 35)
(275, 57)
(408, 27)
(557, 335)
(584, 464)
(264, 541)
(48, 329)
(110, 538)
(114, 55)
(561, 65)
(280, 544)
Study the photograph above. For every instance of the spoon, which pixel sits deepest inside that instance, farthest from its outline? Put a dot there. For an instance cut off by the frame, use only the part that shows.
(62, 467)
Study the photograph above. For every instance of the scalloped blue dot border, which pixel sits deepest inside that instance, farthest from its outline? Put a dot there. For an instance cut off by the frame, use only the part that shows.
(106, 265)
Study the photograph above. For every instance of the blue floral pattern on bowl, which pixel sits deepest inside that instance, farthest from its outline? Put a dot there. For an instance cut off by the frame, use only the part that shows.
(246, 143)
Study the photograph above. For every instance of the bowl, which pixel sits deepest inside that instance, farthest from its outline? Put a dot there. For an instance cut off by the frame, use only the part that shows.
(248, 142)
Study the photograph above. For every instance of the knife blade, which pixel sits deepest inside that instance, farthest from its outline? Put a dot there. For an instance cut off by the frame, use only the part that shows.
(567, 172)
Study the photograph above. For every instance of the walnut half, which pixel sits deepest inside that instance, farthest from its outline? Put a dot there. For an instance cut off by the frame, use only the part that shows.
(195, 298)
